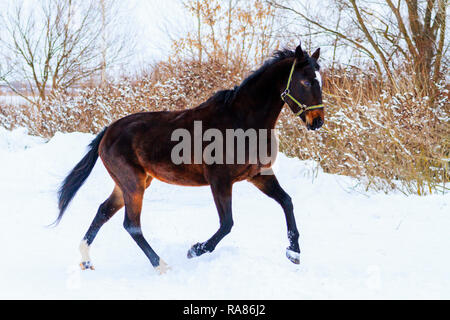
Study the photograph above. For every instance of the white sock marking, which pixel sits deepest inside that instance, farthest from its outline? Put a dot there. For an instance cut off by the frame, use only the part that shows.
(84, 249)
(163, 267)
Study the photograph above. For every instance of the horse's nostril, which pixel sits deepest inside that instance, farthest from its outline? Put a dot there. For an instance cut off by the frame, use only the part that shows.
(317, 123)
(320, 122)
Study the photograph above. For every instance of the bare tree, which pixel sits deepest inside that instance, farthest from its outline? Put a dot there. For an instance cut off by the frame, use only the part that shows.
(388, 32)
(104, 46)
(234, 31)
(54, 46)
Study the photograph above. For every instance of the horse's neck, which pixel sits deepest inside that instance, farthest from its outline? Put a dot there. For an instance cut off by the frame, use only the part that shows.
(260, 103)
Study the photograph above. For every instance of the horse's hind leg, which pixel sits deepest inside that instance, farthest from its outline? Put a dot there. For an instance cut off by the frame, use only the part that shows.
(106, 210)
(133, 194)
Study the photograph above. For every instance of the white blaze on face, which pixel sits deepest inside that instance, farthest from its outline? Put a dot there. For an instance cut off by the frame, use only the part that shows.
(319, 78)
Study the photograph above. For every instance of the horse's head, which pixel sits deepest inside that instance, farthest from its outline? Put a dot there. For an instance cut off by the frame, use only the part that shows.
(303, 92)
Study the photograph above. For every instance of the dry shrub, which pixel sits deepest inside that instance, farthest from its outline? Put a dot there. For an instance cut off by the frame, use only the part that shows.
(171, 85)
(389, 138)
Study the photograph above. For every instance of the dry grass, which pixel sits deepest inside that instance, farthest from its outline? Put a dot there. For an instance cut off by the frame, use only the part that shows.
(388, 138)
(170, 86)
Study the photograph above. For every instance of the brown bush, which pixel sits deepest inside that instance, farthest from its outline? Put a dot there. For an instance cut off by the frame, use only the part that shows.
(388, 138)
(172, 85)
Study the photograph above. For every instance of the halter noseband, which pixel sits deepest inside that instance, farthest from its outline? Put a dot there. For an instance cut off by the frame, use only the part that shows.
(286, 93)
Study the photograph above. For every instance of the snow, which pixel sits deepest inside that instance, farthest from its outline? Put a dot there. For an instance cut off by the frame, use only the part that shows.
(354, 244)
(13, 100)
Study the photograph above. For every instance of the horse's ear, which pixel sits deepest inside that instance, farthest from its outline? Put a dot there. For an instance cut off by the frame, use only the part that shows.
(299, 54)
(316, 54)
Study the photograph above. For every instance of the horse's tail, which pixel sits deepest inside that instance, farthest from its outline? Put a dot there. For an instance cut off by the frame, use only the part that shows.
(78, 176)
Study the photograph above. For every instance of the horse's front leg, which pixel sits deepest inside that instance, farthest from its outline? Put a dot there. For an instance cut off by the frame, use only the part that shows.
(269, 185)
(222, 197)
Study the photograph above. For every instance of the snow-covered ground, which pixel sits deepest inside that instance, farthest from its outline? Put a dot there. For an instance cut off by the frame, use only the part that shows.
(354, 245)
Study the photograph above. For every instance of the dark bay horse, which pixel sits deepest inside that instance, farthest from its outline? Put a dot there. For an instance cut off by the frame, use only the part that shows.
(138, 148)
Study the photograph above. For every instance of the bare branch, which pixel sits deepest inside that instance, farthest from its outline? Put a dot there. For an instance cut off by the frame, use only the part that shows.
(60, 43)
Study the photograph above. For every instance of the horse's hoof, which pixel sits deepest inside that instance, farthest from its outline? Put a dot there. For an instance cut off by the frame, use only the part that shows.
(293, 256)
(191, 252)
(196, 250)
(163, 267)
(86, 265)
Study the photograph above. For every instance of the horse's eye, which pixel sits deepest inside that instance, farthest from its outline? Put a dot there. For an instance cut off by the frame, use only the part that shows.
(306, 83)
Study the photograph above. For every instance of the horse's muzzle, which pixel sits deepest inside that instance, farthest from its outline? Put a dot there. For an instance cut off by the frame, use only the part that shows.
(316, 124)
(314, 119)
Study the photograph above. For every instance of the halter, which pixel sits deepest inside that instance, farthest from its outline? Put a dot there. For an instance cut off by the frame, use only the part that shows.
(286, 93)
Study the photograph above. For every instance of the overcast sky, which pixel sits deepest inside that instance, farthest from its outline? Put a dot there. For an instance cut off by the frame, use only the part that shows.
(153, 22)
(157, 23)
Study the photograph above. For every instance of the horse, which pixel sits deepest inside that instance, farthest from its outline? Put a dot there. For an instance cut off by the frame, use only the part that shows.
(138, 148)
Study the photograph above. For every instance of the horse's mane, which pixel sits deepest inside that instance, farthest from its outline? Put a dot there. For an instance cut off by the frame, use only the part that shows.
(226, 97)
